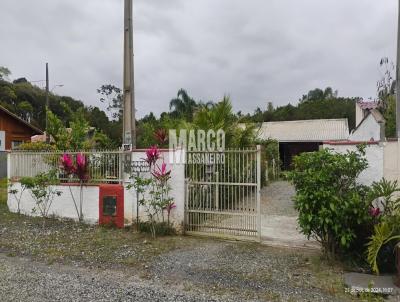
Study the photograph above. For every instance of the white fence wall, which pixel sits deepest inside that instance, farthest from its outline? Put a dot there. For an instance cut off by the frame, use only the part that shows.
(374, 155)
(177, 183)
(392, 160)
(63, 205)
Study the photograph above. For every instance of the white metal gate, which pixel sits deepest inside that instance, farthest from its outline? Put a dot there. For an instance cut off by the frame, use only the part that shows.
(223, 193)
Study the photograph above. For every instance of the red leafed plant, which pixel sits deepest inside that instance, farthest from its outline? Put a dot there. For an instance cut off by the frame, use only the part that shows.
(162, 174)
(152, 155)
(81, 169)
(161, 136)
(67, 164)
(153, 193)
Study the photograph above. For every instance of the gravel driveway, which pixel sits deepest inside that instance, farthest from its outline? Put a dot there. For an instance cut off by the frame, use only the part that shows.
(279, 225)
(23, 280)
(277, 199)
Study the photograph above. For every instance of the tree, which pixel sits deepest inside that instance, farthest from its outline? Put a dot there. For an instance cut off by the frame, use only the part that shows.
(183, 106)
(4, 73)
(221, 116)
(114, 98)
(25, 110)
(319, 95)
(386, 95)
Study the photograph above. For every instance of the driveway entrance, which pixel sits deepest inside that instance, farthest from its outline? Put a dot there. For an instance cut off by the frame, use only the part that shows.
(279, 218)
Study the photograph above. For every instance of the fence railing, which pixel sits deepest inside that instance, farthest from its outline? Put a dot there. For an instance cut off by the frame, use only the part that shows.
(103, 166)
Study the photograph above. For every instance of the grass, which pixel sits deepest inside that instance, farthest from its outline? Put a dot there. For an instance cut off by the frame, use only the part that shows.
(68, 242)
(3, 190)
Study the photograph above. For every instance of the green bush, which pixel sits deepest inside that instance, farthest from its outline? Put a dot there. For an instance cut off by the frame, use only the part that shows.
(36, 146)
(160, 228)
(333, 207)
(385, 206)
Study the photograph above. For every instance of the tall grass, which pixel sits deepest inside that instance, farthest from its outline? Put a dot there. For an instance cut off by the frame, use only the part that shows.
(3, 191)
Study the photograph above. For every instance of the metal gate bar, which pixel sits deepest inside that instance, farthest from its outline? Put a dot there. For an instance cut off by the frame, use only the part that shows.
(223, 193)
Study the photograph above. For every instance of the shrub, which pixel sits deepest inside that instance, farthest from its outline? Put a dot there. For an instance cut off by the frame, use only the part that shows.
(41, 187)
(333, 207)
(159, 229)
(36, 146)
(385, 210)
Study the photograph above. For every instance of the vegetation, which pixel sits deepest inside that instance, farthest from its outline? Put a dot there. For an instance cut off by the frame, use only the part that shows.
(333, 207)
(80, 169)
(270, 154)
(105, 128)
(347, 218)
(17, 194)
(386, 234)
(154, 194)
(310, 106)
(386, 96)
(41, 187)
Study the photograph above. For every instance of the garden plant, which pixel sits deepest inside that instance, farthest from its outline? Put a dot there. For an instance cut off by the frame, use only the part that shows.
(43, 191)
(154, 192)
(79, 168)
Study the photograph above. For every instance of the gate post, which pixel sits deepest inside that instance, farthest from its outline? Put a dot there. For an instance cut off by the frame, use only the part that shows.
(186, 208)
(217, 191)
(259, 192)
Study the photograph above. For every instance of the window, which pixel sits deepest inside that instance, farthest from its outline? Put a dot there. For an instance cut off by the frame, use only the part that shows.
(15, 144)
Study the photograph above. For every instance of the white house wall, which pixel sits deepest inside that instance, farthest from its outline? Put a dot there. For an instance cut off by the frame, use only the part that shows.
(368, 130)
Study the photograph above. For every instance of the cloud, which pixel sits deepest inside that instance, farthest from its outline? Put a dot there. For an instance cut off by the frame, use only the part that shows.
(255, 51)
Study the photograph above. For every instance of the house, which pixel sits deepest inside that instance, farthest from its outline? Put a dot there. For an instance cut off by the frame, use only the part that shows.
(370, 124)
(14, 130)
(295, 137)
(381, 154)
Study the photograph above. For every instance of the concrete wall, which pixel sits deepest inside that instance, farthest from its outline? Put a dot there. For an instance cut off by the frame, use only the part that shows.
(63, 205)
(177, 183)
(368, 130)
(374, 155)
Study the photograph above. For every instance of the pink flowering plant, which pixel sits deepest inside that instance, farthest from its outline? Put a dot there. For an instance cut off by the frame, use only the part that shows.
(80, 169)
(154, 191)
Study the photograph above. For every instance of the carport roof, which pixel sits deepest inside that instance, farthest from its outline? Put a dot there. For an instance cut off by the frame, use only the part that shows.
(305, 130)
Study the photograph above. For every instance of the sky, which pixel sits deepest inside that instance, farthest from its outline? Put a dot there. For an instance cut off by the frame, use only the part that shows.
(255, 51)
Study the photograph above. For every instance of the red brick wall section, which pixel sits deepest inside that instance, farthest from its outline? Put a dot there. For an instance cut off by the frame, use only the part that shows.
(113, 191)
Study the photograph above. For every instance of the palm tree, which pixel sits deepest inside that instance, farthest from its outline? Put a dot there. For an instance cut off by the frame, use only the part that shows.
(183, 105)
(220, 116)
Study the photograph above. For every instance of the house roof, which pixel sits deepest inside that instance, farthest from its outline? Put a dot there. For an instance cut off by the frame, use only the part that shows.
(16, 117)
(375, 114)
(305, 130)
(368, 105)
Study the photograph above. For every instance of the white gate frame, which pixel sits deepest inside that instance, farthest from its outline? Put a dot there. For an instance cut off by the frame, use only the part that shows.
(225, 201)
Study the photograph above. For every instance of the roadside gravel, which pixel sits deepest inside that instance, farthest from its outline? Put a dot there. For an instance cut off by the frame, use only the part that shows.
(23, 280)
(205, 270)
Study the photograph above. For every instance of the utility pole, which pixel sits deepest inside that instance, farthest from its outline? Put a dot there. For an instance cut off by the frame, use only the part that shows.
(129, 126)
(47, 102)
(398, 77)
